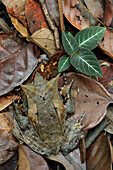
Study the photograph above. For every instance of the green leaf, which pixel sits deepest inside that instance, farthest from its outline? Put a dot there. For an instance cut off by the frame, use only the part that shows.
(70, 34)
(90, 37)
(69, 43)
(64, 63)
(86, 62)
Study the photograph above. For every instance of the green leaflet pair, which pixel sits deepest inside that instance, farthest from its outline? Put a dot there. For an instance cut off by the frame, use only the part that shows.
(79, 52)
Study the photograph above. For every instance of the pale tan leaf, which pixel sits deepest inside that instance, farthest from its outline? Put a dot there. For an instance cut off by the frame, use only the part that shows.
(20, 27)
(44, 39)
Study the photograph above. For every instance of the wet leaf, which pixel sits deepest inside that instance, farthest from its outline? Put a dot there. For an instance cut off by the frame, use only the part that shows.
(35, 16)
(98, 154)
(7, 149)
(86, 62)
(90, 37)
(18, 60)
(92, 99)
(51, 67)
(69, 43)
(44, 39)
(64, 63)
(30, 160)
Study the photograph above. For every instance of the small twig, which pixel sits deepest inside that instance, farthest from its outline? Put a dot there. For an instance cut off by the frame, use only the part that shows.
(96, 132)
(51, 23)
(61, 15)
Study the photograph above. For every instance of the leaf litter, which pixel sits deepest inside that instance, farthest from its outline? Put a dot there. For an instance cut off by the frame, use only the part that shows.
(91, 92)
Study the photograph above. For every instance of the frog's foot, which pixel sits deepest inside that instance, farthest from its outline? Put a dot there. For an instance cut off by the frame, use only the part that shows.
(29, 137)
(72, 133)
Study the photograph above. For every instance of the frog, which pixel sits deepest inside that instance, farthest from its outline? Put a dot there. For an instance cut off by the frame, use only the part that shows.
(47, 130)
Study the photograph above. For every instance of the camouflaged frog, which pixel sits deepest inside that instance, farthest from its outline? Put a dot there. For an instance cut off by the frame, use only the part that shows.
(44, 126)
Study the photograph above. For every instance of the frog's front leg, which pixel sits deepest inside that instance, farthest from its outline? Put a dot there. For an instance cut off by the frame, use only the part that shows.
(65, 92)
(22, 120)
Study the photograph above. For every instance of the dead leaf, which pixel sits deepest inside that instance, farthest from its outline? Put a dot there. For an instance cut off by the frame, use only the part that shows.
(50, 68)
(92, 99)
(44, 39)
(107, 79)
(7, 149)
(76, 14)
(106, 45)
(6, 100)
(53, 11)
(109, 115)
(20, 27)
(30, 160)
(99, 155)
(18, 60)
(16, 9)
(35, 16)
(61, 159)
(96, 7)
(108, 13)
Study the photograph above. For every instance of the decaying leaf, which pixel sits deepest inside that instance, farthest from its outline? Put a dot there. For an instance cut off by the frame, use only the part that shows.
(7, 149)
(44, 39)
(50, 68)
(17, 61)
(96, 7)
(106, 80)
(106, 45)
(19, 26)
(99, 155)
(109, 127)
(6, 121)
(30, 160)
(35, 16)
(61, 159)
(92, 98)
(76, 14)
(16, 9)
(6, 100)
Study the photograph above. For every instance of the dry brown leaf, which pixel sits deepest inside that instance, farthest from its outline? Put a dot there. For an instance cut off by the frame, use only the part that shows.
(35, 16)
(99, 155)
(30, 160)
(96, 7)
(6, 100)
(109, 115)
(20, 27)
(107, 44)
(61, 159)
(16, 8)
(23, 160)
(44, 39)
(92, 99)
(6, 121)
(7, 149)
